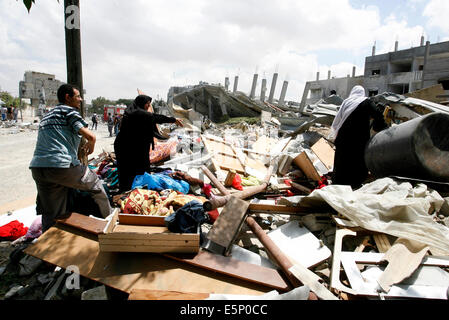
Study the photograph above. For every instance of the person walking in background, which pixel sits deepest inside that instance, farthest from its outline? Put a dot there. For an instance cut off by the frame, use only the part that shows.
(110, 124)
(9, 115)
(4, 111)
(16, 112)
(117, 121)
(94, 121)
(351, 131)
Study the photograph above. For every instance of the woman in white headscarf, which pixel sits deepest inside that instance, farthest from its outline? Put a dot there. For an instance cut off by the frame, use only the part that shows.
(351, 132)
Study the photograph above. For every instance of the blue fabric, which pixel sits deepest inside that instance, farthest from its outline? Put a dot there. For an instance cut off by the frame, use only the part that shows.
(187, 219)
(160, 182)
(58, 139)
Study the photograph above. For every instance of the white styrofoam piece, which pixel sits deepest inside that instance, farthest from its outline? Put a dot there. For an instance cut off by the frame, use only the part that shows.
(26, 216)
(426, 282)
(245, 255)
(299, 244)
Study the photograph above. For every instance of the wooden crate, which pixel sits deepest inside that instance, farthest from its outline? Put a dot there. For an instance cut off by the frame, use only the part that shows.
(145, 238)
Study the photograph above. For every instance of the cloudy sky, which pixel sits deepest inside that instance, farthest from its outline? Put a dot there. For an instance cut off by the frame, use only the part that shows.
(155, 44)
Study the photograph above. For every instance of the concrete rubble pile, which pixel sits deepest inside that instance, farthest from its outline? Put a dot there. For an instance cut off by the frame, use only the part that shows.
(267, 221)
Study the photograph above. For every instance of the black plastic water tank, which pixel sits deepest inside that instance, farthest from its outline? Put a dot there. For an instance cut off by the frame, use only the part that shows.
(418, 148)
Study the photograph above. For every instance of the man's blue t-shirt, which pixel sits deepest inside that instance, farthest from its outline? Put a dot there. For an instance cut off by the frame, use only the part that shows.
(58, 139)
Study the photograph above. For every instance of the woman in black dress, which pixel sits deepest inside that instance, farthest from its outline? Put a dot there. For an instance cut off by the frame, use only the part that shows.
(135, 138)
(351, 131)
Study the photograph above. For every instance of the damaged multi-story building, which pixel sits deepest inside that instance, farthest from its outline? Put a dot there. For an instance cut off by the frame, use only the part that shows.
(38, 86)
(399, 72)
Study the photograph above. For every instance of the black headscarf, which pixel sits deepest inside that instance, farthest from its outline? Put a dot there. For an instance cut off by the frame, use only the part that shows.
(138, 104)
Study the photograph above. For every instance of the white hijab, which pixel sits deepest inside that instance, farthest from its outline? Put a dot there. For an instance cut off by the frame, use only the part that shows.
(356, 97)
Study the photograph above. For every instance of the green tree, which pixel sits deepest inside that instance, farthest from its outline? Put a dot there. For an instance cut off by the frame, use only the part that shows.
(8, 99)
(99, 103)
(126, 102)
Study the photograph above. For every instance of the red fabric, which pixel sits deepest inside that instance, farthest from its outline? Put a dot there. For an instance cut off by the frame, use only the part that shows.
(322, 183)
(237, 183)
(213, 215)
(13, 230)
(290, 194)
(207, 189)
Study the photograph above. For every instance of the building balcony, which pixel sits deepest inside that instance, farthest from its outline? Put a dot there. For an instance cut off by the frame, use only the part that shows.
(405, 77)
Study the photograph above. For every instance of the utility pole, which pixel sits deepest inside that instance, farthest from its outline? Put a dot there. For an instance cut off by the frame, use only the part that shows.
(73, 47)
(73, 59)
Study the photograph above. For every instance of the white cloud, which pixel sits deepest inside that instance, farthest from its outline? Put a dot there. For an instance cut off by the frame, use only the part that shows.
(153, 45)
(438, 11)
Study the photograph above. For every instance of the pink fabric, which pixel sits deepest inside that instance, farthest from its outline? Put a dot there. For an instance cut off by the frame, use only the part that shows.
(35, 229)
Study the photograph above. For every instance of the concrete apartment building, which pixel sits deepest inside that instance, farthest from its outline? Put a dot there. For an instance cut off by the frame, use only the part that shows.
(35, 83)
(400, 71)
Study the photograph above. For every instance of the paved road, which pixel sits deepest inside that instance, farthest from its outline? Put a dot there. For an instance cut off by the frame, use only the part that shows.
(17, 187)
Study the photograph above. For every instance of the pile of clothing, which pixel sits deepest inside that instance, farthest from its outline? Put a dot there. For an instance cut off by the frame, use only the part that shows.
(151, 202)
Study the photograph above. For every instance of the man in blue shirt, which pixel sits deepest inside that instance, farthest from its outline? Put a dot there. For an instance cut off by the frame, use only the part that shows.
(55, 166)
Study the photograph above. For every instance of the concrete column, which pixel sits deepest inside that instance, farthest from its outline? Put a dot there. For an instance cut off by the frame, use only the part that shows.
(273, 87)
(210, 111)
(374, 49)
(426, 58)
(283, 93)
(396, 44)
(263, 90)
(318, 76)
(227, 83)
(329, 75)
(236, 82)
(253, 87)
(223, 105)
(353, 71)
(422, 41)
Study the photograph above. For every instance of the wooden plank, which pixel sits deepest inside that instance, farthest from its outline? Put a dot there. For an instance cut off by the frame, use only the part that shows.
(301, 188)
(64, 246)
(154, 236)
(235, 268)
(141, 220)
(228, 223)
(84, 223)
(111, 224)
(151, 242)
(311, 280)
(382, 242)
(324, 152)
(306, 165)
(154, 249)
(142, 294)
(276, 208)
(229, 178)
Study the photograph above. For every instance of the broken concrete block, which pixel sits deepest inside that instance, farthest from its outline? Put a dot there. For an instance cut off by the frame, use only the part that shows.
(98, 293)
(28, 265)
(12, 292)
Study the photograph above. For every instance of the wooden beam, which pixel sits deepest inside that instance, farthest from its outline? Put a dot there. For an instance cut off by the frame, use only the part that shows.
(84, 223)
(234, 268)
